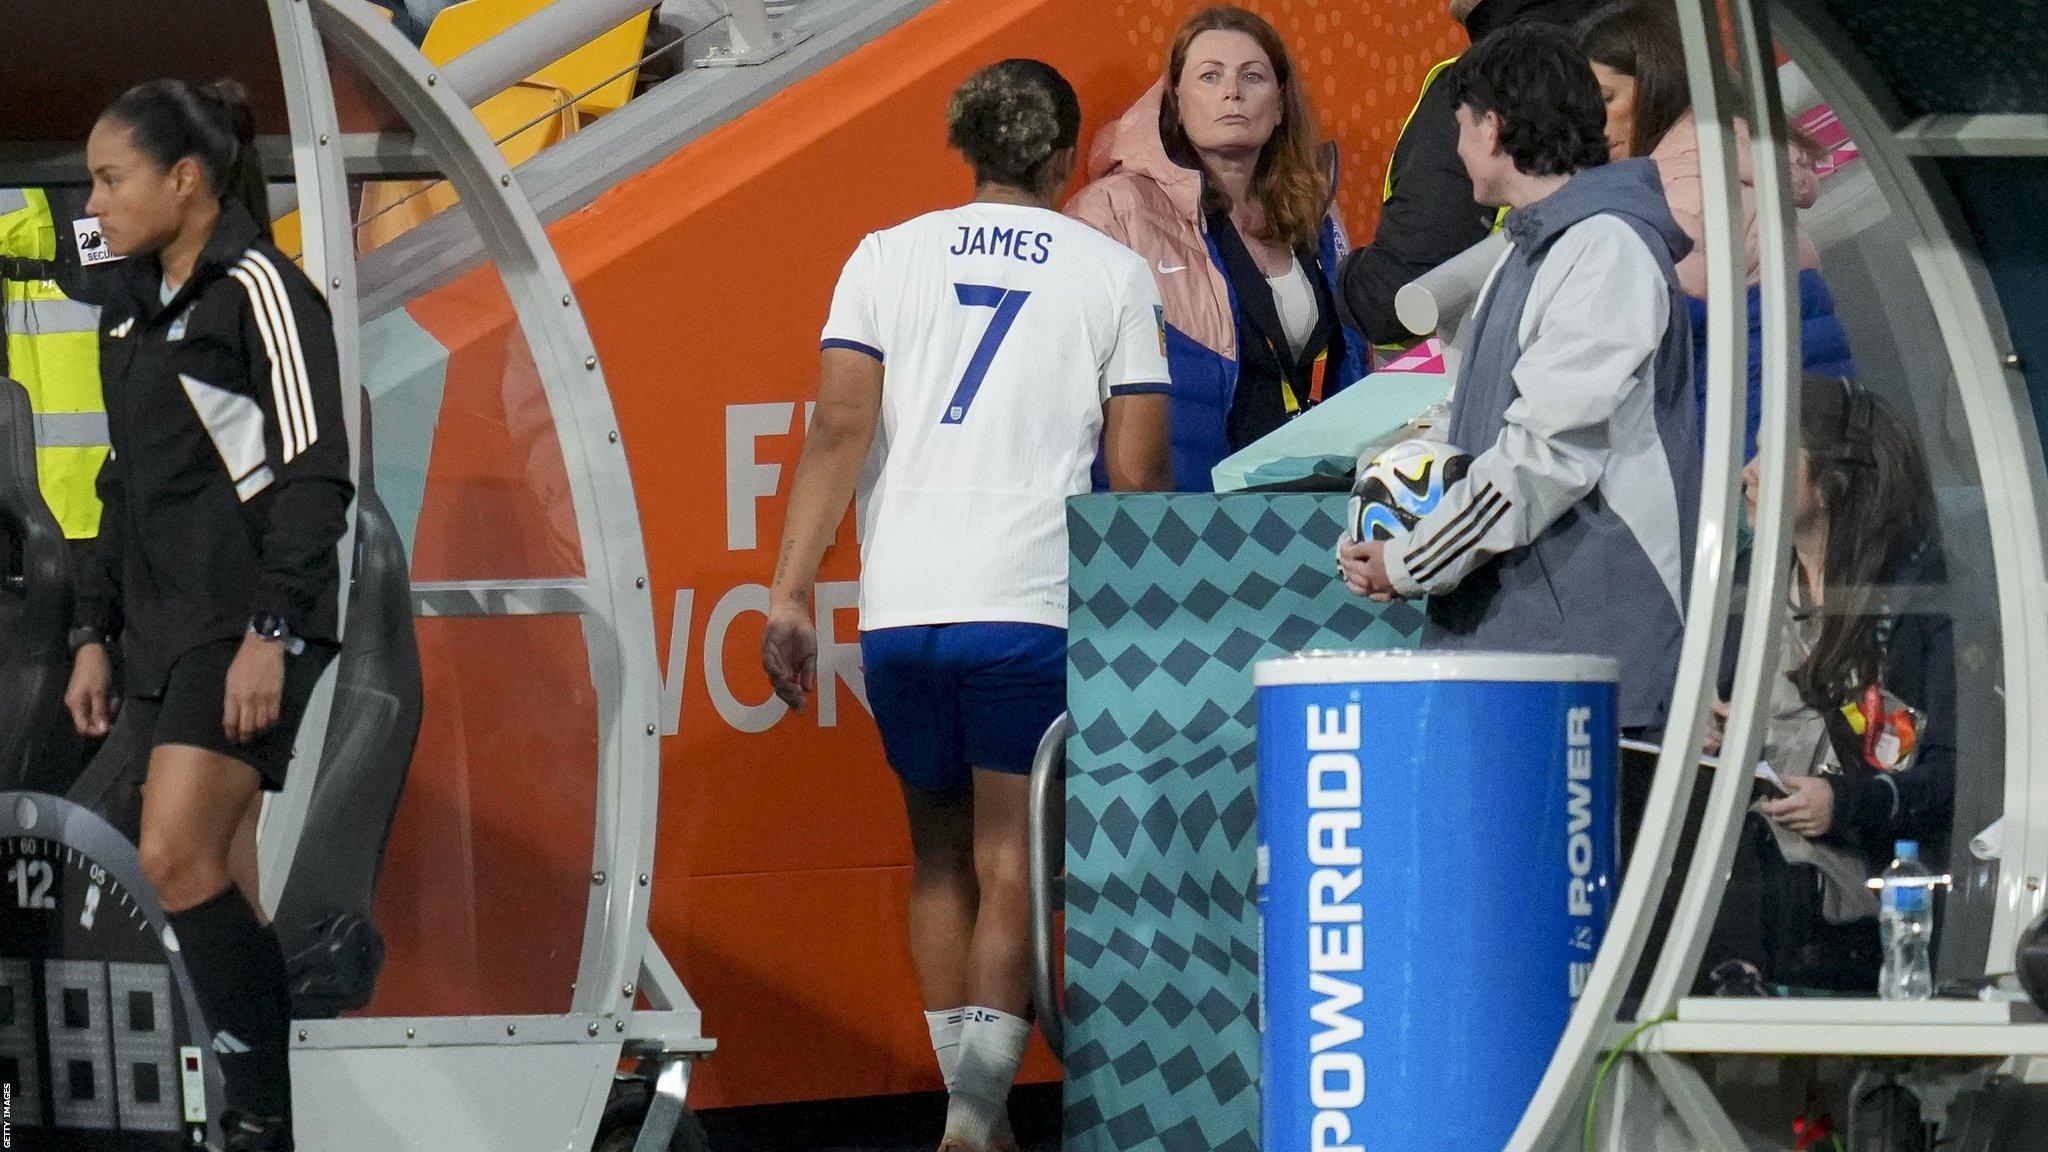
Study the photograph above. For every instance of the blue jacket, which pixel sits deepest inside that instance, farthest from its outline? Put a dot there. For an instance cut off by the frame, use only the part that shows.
(1824, 345)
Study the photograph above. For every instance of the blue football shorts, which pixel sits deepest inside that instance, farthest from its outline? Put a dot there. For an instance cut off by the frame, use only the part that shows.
(950, 698)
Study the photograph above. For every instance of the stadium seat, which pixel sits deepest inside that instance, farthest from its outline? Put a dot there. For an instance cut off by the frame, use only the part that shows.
(606, 64)
(333, 950)
(35, 600)
(524, 119)
(548, 106)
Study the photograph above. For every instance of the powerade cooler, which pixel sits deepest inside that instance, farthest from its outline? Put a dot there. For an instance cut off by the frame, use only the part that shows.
(1437, 860)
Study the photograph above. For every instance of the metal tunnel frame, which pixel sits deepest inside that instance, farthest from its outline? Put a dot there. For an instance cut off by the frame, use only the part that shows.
(618, 960)
(1901, 156)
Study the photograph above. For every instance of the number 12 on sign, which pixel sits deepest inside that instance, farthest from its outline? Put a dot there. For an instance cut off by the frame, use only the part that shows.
(32, 880)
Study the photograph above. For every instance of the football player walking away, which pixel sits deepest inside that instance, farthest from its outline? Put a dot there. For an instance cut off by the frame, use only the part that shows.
(997, 347)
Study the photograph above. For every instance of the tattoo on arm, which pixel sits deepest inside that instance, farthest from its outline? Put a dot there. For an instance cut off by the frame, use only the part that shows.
(800, 595)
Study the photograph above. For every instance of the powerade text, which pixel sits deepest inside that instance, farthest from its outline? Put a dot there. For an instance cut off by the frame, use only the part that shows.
(1336, 950)
(1578, 849)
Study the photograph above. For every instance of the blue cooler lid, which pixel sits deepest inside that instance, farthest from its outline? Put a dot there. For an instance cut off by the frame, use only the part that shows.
(1404, 666)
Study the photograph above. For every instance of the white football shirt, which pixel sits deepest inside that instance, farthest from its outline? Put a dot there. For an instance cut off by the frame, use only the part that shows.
(1002, 331)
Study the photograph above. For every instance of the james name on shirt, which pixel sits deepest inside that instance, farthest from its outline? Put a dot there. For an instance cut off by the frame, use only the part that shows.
(1016, 243)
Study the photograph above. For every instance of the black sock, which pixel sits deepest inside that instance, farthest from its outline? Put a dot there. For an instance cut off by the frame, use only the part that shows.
(238, 973)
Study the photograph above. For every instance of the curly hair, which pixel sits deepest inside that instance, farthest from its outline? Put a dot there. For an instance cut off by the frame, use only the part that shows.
(1011, 118)
(1537, 80)
(1288, 181)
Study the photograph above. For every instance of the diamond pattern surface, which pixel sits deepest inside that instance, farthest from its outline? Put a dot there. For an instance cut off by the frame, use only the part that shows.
(1174, 599)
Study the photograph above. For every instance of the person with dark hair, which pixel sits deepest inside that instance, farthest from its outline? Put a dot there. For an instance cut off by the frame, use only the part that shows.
(1428, 213)
(226, 495)
(1571, 532)
(1215, 176)
(1638, 57)
(1862, 725)
(995, 346)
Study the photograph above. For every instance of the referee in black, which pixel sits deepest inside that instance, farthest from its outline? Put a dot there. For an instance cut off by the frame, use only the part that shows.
(226, 495)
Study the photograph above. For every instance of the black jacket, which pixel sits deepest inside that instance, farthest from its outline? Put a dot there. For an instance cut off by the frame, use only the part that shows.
(1430, 215)
(1773, 914)
(228, 486)
(1873, 809)
(1257, 406)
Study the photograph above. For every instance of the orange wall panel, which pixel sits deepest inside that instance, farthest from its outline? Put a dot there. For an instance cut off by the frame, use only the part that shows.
(815, 1001)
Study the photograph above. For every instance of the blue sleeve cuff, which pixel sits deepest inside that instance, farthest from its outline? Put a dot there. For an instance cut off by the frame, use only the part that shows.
(857, 346)
(1142, 388)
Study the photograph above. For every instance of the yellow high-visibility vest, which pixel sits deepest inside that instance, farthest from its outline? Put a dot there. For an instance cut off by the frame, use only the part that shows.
(1387, 190)
(1428, 80)
(53, 350)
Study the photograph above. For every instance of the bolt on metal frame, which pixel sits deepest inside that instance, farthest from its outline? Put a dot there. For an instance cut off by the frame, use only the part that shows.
(330, 264)
(1589, 1031)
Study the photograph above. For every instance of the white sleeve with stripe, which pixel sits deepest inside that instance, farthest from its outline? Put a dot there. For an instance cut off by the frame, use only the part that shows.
(852, 323)
(1138, 361)
(1600, 304)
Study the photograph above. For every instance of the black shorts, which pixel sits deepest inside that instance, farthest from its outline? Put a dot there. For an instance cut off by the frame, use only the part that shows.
(189, 711)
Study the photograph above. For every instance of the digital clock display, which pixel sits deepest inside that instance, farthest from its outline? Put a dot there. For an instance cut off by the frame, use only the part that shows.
(94, 1047)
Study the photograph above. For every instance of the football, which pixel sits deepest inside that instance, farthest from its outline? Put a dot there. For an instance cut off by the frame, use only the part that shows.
(1400, 486)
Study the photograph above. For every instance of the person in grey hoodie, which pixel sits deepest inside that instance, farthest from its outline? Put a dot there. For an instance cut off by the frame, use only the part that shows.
(1572, 531)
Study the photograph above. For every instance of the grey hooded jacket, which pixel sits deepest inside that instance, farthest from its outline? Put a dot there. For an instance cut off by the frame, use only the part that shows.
(1572, 532)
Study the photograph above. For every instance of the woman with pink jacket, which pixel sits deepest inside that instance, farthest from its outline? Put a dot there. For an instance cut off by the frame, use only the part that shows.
(1639, 59)
(1215, 177)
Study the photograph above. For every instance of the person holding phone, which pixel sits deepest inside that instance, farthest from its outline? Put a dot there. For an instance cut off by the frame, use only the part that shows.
(1861, 727)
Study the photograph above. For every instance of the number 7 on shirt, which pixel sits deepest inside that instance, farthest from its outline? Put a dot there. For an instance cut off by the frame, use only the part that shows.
(1007, 302)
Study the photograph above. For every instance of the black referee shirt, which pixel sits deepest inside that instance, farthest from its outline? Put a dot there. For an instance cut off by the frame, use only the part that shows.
(228, 486)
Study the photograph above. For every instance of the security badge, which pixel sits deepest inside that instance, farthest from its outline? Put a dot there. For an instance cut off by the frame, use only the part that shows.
(1889, 727)
(92, 243)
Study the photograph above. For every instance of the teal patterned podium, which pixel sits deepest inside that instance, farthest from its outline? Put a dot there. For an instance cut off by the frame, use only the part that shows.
(1174, 598)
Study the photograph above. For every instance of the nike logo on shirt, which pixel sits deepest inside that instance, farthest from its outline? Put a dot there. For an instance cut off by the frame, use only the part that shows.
(1165, 271)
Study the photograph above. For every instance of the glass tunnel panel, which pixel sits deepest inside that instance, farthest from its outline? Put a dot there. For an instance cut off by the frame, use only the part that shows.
(487, 872)
(1931, 601)
(482, 900)
(466, 452)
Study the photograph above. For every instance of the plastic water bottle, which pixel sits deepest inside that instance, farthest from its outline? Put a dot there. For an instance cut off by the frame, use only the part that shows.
(1906, 925)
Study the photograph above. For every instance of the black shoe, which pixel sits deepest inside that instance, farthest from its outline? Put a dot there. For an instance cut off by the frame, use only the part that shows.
(245, 1133)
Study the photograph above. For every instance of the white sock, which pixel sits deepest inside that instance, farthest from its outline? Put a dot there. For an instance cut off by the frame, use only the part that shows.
(991, 1047)
(945, 1029)
(945, 1026)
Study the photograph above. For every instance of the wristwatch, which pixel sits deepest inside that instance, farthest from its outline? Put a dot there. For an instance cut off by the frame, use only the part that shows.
(82, 635)
(272, 627)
